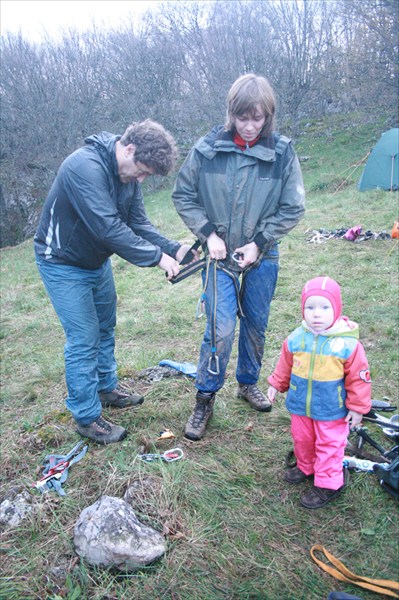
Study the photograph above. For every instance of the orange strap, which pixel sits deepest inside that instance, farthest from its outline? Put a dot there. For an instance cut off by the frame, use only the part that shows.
(381, 586)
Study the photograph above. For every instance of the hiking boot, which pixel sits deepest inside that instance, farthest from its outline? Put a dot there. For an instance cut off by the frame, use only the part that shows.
(295, 475)
(203, 410)
(254, 396)
(102, 431)
(118, 398)
(318, 497)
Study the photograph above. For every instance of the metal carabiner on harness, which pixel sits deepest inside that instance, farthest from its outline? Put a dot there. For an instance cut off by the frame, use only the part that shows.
(217, 369)
(237, 256)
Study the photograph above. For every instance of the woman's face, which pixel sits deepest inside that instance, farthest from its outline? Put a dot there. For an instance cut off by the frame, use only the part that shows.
(249, 125)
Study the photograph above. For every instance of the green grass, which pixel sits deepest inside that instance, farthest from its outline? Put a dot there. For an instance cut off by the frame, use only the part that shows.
(234, 528)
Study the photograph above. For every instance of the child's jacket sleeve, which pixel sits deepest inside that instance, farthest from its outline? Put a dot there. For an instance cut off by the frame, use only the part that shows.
(280, 379)
(358, 381)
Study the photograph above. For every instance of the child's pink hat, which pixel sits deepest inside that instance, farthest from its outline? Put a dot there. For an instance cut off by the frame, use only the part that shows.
(326, 287)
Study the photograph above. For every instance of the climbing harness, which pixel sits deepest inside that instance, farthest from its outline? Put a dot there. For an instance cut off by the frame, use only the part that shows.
(188, 270)
(211, 266)
(339, 571)
(168, 456)
(213, 362)
(56, 469)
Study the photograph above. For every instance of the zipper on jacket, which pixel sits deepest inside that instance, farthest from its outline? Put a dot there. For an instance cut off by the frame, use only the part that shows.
(310, 376)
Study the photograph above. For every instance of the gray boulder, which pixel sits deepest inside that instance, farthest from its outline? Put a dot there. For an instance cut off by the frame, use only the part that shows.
(108, 534)
(15, 506)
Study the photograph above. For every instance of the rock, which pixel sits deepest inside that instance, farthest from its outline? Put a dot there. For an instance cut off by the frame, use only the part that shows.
(108, 534)
(15, 506)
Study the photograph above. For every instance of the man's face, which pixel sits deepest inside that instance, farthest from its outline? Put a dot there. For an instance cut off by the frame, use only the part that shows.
(130, 170)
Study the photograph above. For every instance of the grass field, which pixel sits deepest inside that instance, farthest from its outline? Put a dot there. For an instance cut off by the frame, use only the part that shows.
(234, 528)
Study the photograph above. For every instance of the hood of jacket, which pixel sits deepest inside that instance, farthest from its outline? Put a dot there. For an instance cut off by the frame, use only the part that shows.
(105, 144)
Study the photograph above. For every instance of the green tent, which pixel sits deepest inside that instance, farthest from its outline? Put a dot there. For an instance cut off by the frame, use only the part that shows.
(381, 170)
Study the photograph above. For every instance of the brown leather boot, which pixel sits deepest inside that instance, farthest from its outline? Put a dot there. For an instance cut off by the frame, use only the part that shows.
(203, 410)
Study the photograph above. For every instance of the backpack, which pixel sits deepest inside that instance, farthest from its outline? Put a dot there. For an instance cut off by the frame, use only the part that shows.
(389, 477)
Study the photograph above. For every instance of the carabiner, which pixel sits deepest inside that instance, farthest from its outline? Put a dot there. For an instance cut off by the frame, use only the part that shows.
(210, 370)
(171, 455)
(237, 256)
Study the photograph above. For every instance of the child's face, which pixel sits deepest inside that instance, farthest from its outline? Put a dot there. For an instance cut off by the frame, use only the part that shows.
(250, 125)
(318, 313)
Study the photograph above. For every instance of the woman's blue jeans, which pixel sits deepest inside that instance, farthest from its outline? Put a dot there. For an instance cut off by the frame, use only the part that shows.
(259, 285)
(85, 302)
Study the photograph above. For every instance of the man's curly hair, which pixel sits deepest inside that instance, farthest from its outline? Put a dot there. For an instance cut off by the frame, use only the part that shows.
(155, 147)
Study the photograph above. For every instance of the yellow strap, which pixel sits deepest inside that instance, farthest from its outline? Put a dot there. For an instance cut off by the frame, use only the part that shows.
(343, 574)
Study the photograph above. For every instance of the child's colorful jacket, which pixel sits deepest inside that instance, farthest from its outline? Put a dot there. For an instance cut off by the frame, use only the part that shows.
(326, 374)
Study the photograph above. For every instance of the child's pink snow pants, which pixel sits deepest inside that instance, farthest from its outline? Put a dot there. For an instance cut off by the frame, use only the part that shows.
(319, 447)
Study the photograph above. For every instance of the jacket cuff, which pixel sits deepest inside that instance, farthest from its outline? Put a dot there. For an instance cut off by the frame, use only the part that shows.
(207, 229)
(262, 242)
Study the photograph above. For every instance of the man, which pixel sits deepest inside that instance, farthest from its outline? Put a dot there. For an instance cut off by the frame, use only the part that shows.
(95, 209)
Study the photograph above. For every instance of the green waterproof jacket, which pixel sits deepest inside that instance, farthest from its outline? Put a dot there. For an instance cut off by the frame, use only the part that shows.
(256, 194)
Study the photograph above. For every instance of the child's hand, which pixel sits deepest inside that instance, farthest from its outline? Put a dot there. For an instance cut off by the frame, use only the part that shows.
(271, 394)
(354, 418)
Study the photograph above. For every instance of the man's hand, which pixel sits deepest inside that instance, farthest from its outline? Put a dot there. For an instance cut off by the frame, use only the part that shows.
(182, 251)
(169, 264)
(250, 252)
(216, 247)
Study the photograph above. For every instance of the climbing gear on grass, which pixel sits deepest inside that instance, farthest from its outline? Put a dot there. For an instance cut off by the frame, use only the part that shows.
(295, 475)
(254, 396)
(383, 405)
(374, 417)
(102, 431)
(340, 572)
(184, 367)
(197, 422)
(388, 476)
(167, 456)
(56, 468)
(360, 464)
(118, 398)
(166, 434)
(363, 436)
(320, 236)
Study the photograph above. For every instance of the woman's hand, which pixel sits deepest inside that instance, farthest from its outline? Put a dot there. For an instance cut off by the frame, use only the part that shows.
(216, 247)
(250, 254)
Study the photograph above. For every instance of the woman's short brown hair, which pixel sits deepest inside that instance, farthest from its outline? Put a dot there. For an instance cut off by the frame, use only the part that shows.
(246, 94)
(155, 147)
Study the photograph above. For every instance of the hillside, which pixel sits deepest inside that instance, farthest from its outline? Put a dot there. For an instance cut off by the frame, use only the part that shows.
(234, 528)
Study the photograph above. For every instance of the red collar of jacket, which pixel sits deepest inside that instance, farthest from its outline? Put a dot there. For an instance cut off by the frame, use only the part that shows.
(241, 143)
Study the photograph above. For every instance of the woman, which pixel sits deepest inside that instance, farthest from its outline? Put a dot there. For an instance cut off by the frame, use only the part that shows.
(239, 191)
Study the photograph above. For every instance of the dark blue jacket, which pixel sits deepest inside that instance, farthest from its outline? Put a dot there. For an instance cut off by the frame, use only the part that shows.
(89, 214)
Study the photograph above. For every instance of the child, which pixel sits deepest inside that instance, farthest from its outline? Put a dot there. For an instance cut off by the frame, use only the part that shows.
(324, 368)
